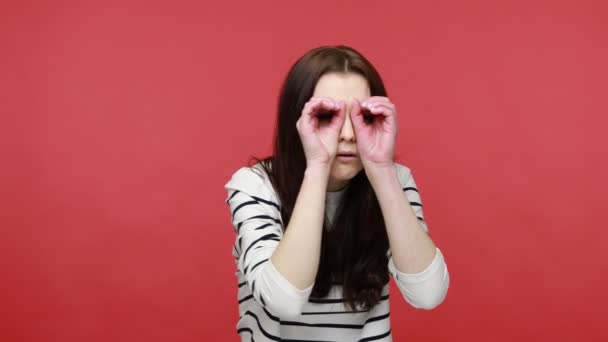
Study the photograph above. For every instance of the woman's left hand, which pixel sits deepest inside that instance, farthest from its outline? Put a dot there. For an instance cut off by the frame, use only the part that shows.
(375, 123)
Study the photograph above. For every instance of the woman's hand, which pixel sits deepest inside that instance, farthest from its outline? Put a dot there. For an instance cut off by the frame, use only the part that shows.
(375, 123)
(319, 128)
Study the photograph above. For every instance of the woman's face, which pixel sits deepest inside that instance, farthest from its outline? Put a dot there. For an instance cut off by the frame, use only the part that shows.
(346, 87)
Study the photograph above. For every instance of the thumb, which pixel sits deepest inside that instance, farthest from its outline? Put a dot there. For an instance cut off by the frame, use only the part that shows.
(340, 116)
(356, 116)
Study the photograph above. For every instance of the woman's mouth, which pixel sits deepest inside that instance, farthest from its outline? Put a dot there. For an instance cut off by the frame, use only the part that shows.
(346, 157)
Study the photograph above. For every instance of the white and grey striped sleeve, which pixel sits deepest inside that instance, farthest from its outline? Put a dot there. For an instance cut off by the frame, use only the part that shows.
(426, 289)
(256, 218)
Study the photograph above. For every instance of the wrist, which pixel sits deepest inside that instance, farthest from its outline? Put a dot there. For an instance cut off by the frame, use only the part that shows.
(317, 169)
(379, 167)
(377, 172)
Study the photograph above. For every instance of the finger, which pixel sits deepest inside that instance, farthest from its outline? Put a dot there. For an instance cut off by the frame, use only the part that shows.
(386, 112)
(308, 112)
(340, 116)
(311, 106)
(381, 109)
(376, 99)
(329, 104)
(372, 103)
(316, 106)
(380, 105)
(356, 116)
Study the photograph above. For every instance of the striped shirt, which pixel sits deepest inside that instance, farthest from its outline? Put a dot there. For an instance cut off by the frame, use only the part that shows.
(272, 309)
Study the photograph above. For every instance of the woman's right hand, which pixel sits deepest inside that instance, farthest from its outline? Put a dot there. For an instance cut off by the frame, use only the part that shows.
(319, 129)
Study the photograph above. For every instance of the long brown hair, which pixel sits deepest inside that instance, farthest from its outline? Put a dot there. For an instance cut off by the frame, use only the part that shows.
(353, 251)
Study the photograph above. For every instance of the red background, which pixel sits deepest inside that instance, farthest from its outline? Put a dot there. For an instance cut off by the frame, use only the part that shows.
(121, 122)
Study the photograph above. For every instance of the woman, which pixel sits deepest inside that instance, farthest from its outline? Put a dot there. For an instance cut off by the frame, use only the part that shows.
(323, 222)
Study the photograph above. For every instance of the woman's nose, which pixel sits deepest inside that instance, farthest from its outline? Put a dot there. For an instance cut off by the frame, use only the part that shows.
(347, 132)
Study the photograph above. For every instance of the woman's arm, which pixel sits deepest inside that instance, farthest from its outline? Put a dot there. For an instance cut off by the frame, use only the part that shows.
(282, 266)
(417, 266)
(297, 255)
(411, 247)
(416, 263)
(282, 289)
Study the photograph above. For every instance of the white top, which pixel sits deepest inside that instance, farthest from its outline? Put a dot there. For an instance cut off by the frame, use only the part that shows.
(272, 309)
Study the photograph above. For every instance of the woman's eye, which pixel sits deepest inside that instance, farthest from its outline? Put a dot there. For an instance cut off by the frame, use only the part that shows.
(368, 118)
(325, 117)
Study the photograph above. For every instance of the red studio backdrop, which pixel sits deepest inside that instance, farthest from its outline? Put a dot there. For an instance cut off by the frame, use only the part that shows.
(121, 121)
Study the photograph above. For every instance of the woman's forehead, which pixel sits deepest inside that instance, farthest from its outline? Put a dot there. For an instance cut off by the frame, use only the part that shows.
(342, 86)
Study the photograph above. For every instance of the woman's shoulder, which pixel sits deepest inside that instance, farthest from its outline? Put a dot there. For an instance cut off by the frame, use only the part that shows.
(252, 180)
(403, 172)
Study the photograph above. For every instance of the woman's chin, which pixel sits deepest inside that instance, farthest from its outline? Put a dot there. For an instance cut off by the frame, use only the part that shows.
(343, 174)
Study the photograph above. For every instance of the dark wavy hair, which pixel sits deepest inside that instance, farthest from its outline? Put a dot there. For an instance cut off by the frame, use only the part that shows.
(354, 250)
